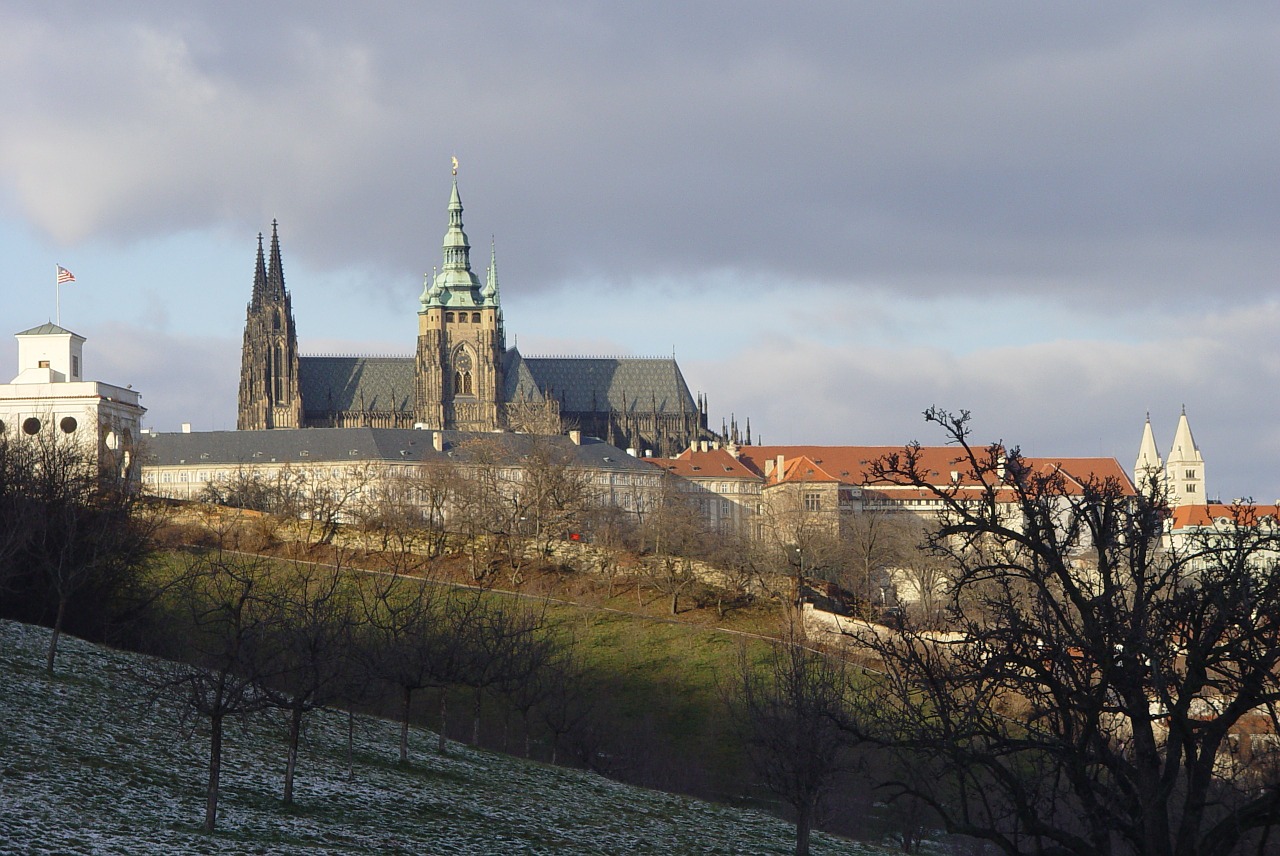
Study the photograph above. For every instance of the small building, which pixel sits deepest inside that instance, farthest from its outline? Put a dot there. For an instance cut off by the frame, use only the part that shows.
(50, 398)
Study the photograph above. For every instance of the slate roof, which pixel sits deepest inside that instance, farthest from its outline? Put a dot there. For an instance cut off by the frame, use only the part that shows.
(593, 384)
(356, 383)
(581, 384)
(324, 445)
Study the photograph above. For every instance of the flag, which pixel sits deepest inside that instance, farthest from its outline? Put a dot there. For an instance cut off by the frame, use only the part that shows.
(65, 275)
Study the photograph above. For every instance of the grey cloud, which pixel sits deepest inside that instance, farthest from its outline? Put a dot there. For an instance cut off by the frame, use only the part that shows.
(918, 146)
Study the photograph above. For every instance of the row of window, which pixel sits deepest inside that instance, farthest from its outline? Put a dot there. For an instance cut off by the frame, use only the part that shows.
(463, 318)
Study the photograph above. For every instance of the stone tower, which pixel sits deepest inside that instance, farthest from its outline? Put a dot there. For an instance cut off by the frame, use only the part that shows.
(1185, 467)
(458, 382)
(269, 396)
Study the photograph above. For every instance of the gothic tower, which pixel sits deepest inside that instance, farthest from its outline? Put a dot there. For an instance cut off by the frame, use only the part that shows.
(269, 396)
(458, 368)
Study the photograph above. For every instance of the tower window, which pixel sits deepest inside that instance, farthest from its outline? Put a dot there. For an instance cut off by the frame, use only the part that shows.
(448, 316)
(1191, 488)
(475, 317)
(462, 316)
(1191, 474)
(43, 364)
(68, 425)
(75, 366)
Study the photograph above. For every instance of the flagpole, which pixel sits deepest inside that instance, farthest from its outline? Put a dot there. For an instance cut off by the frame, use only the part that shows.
(57, 292)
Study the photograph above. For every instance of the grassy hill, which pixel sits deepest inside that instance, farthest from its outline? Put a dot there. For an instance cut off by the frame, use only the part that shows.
(86, 767)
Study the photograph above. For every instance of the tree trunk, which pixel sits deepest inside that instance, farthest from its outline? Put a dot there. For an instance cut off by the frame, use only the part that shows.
(57, 632)
(675, 603)
(295, 728)
(442, 745)
(351, 746)
(404, 726)
(215, 770)
(804, 826)
(475, 719)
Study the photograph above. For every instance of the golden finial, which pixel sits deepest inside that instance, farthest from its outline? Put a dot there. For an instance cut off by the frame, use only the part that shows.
(455, 166)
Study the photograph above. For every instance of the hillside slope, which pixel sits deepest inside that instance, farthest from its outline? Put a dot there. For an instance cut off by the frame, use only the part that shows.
(85, 767)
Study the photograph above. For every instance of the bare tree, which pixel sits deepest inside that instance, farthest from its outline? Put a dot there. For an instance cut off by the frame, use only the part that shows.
(792, 710)
(220, 631)
(401, 640)
(310, 651)
(1097, 678)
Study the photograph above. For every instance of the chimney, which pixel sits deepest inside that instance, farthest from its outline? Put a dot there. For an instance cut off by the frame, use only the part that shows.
(186, 427)
(437, 441)
(768, 467)
(704, 445)
(575, 435)
(631, 452)
(779, 467)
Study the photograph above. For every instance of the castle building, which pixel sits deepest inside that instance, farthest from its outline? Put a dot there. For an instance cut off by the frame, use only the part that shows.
(1180, 478)
(50, 400)
(462, 376)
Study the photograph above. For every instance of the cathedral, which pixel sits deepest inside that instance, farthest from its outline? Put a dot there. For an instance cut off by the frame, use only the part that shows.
(462, 376)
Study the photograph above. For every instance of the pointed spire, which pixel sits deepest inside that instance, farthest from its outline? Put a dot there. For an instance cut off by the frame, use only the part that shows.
(1149, 466)
(1184, 446)
(490, 290)
(455, 277)
(275, 273)
(260, 275)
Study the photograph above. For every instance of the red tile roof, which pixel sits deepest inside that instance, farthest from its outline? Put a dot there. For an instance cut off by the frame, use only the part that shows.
(1206, 515)
(713, 463)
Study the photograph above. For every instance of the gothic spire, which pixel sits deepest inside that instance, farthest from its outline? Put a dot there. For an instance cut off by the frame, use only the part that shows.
(456, 284)
(275, 273)
(490, 291)
(260, 275)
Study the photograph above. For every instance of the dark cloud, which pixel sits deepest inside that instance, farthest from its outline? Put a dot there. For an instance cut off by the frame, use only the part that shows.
(905, 144)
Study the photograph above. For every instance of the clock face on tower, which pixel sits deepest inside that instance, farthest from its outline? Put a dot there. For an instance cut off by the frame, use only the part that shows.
(463, 362)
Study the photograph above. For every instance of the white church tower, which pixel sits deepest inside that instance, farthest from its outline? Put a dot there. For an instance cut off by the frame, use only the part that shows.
(1148, 471)
(49, 399)
(1185, 467)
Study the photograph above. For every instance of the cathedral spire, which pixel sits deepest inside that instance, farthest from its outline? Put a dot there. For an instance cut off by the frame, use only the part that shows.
(260, 275)
(1185, 467)
(456, 284)
(275, 273)
(490, 291)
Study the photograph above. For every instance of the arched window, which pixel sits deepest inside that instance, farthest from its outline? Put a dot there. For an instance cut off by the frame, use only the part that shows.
(475, 317)
(462, 316)
(448, 316)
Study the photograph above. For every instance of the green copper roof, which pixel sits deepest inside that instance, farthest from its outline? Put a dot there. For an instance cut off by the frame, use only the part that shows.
(456, 285)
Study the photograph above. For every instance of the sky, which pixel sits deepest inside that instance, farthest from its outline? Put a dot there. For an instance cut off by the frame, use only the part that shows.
(1059, 217)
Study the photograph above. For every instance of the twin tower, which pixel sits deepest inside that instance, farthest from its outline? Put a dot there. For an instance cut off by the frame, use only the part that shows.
(462, 376)
(1180, 478)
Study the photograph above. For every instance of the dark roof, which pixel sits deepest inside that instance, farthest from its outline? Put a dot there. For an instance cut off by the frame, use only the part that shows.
(581, 384)
(45, 329)
(356, 383)
(320, 445)
(592, 384)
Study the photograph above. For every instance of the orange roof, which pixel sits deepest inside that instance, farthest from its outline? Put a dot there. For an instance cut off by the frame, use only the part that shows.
(1080, 470)
(849, 465)
(1206, 515)
(713, 463)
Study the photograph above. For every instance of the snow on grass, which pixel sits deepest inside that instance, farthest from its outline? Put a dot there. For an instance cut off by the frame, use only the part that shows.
(86, 767)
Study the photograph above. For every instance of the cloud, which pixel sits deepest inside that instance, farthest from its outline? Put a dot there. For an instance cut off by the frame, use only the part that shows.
(987, 148)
